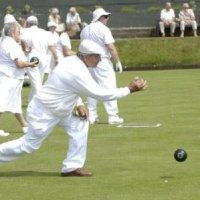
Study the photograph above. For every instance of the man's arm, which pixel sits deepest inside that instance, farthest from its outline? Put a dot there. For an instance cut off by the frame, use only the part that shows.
(54, 53)
(114, 54)
(162, 16)
(67, 51)
(84, 85)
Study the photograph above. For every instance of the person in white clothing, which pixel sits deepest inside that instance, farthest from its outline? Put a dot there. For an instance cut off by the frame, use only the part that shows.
(12, 64)
(8, 18)
(187, 18)
(104, 73)
(55, 102)
(63, 46)
(39, 41)
(73, 20)
(51, 61)
(52, 29)
(167, 19)
(54, 16)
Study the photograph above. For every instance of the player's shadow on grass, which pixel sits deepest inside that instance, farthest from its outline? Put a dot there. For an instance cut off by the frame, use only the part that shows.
(28, 173)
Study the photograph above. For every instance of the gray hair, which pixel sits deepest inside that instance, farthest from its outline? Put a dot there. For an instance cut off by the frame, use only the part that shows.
(31, 23)
(10, 28)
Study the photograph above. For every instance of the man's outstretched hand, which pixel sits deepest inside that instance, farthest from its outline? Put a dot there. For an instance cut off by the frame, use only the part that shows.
(137, 84)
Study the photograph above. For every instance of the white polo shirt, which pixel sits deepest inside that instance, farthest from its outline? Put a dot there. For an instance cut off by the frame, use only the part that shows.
(167, 15)
(10, 50)
(72, 19)
(55, 37)
(69, 80)
(100, 34)
(63, 40)
(38, 40)
(187, 15)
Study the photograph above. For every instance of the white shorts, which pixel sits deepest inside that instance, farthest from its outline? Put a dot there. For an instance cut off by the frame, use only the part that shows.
(10, 94)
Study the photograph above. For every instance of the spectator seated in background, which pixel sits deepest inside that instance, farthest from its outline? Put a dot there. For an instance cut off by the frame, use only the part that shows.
(167, 19)
(73, 20)
(187, 18)
(55, 17)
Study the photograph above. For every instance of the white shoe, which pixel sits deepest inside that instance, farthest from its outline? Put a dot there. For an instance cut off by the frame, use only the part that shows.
(116, 120)
(95, 121)
(3, 133)
(24, 129)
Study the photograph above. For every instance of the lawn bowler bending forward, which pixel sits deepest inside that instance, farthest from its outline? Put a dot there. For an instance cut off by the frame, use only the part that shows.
(54, 103)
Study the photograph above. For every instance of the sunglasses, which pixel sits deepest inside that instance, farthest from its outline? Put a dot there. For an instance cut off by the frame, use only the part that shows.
(106, 16)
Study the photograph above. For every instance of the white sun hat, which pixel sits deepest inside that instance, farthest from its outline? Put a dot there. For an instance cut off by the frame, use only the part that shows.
(90, 47)
(9, 19)
(32, 19)
(98, 13)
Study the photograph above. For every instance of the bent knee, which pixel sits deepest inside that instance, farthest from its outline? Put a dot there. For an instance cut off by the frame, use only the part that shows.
(28, 148)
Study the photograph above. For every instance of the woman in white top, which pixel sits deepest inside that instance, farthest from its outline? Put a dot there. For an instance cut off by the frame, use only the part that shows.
(12, 64)
(187, 18)
(63, 46)
(52, 59)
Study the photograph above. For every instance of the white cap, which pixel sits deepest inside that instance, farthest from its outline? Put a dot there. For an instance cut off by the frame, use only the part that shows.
(98, 13)
(32, 19)
(90, 47)
(51, 24)
(9, 19)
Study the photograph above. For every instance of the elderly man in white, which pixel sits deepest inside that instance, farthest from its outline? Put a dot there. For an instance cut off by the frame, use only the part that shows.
(167, 19)
(55, 102)
(73, 19)
(187, 18)
(104, 73)
(39, 41)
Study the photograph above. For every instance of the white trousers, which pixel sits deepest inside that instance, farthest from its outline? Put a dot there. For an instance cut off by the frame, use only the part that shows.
(162, 27)
(191, 23)
(36, 74)
(104, 75)
(40, 124)
(35, 79)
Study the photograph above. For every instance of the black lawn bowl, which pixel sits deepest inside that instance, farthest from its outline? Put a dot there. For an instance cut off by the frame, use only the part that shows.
(180, 155)
(34, 60)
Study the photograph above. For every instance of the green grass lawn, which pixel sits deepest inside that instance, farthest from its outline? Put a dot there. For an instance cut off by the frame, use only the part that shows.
(157, 52)
(128, 163)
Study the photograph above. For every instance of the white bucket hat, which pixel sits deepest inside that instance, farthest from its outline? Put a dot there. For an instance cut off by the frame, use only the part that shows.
(32, 19)
(9, 19)
(98, 13)
(90, 47)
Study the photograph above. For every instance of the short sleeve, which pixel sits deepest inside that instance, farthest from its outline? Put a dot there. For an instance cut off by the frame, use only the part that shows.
(173, 13)
(108, 37)
(65, 40)
(15, 52)
(51, 41)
